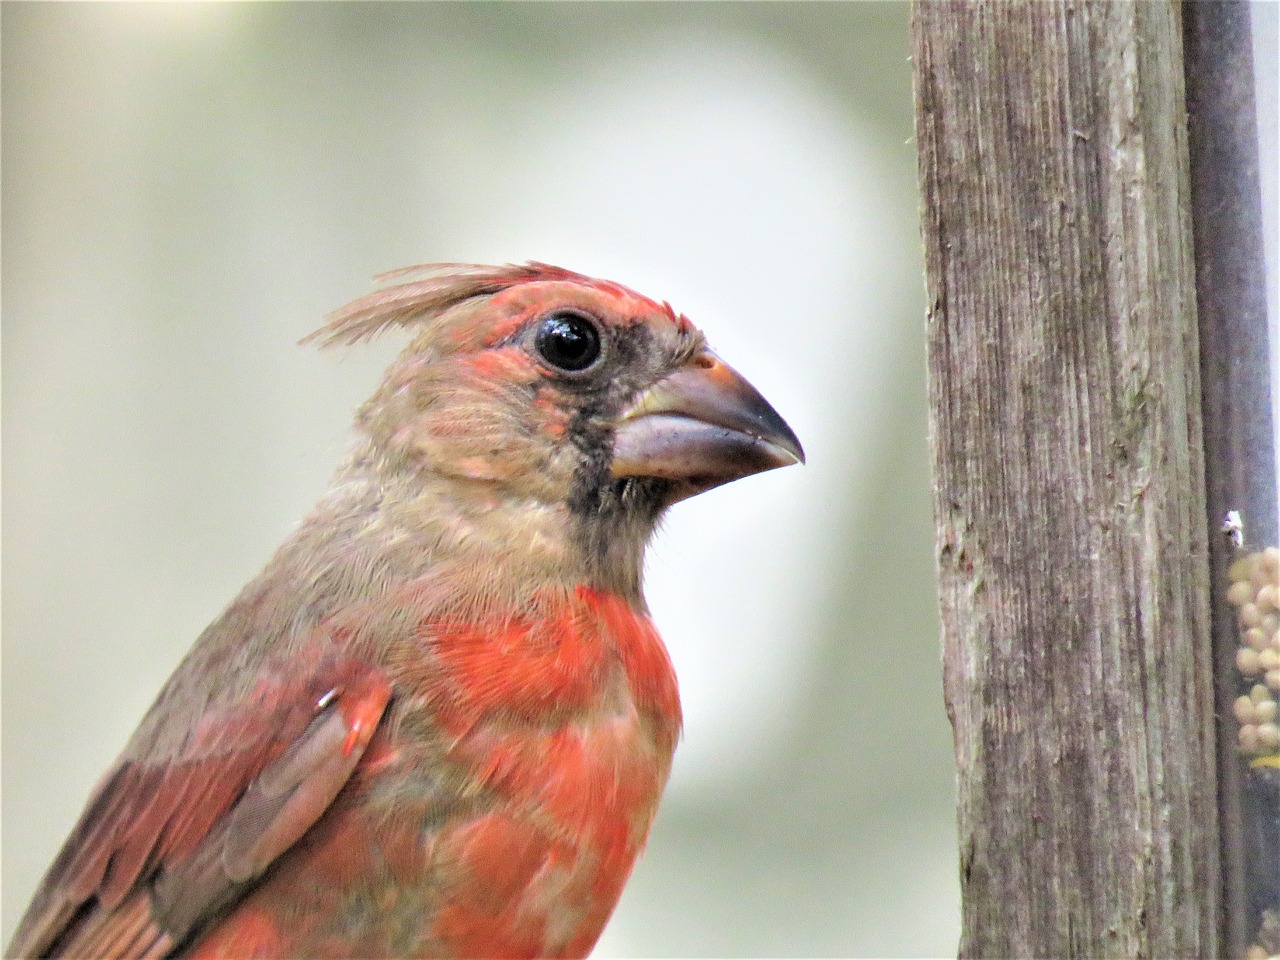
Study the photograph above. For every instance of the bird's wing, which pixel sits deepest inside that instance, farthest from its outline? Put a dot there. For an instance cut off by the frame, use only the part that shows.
(163, 843)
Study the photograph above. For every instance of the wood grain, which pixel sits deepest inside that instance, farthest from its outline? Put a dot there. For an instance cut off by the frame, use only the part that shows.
(1069, 476)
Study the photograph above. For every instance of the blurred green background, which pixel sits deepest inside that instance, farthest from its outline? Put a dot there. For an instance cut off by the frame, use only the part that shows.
(187, 189)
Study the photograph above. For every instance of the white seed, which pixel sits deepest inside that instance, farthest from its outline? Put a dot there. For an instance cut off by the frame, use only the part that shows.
(1268, 736)
(1266, 599)
(1269, 559)
(1269, 658)
(1259, 692)
(1242, 569)
(1250, 616)
(1260, 574)
(1273, 679)
(1239, 593)
(1249, 738)
(1254, 637)
(1265, 712)
(1248, 661)
(1243, 708)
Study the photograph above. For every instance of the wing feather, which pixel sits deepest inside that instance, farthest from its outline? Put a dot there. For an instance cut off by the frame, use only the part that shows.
(163, 844)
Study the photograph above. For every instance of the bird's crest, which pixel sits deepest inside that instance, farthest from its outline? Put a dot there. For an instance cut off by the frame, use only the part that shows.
(415, 294)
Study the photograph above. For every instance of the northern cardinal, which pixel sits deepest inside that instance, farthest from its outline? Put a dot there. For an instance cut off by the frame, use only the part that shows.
(440, 720)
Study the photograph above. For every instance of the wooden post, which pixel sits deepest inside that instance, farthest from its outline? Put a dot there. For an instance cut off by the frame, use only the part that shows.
(1069, 476)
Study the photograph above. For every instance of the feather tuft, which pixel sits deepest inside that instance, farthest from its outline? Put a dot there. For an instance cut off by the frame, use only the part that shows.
(414, 294)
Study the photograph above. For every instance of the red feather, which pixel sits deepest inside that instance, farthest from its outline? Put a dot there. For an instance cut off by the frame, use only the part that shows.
(480, 555)
(153, 816)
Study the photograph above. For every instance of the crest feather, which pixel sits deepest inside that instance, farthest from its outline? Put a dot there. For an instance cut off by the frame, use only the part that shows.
(424, 291)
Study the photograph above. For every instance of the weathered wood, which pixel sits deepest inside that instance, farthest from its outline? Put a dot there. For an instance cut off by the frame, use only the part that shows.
(1069, 479)
(1240, 456)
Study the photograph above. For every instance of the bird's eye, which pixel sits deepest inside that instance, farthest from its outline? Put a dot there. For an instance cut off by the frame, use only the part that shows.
(568, 341)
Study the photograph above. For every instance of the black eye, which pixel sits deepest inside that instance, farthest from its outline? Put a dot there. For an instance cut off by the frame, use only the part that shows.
(568, 341)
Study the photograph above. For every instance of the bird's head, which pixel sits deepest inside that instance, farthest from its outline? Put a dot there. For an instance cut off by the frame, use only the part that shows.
(535, 384)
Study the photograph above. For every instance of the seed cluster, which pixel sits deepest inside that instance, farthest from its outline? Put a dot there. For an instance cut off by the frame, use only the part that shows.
(1255, 593)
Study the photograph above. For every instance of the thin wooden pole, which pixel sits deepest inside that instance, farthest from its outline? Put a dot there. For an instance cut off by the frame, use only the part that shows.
(1240, 461)
(1069, 478)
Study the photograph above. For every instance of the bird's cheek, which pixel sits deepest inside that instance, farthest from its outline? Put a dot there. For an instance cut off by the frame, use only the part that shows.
(550, 415)
(475, 446)
(441, 445)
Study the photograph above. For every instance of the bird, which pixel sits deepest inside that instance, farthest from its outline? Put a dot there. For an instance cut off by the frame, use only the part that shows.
(438, 723)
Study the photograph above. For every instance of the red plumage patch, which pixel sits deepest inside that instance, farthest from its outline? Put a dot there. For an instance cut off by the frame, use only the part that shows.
(554, 660)
(524, 666)
(644, 658)
(579, 784)
(497, 857)
(246, 934)
(422, 293)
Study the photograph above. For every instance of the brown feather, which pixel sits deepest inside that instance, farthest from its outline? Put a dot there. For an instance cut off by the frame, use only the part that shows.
(427, 290)
(475, 551)
(96, 899)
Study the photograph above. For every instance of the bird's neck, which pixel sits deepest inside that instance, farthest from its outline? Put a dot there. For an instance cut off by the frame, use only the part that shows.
(413, 522)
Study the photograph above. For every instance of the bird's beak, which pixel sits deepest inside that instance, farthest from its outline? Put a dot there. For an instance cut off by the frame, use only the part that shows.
(700, 426)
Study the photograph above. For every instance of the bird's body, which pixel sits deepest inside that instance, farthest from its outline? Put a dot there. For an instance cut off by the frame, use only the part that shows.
(439, 722)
